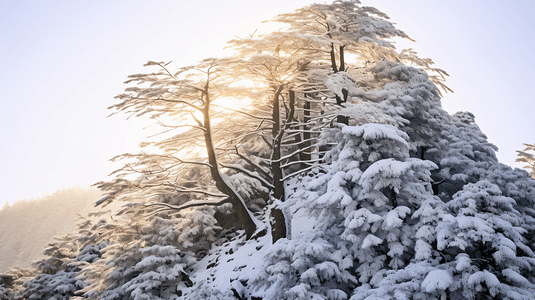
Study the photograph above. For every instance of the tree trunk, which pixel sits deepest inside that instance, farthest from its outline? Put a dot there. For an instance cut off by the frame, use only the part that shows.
(333, 60)
(276, 169)
(242, 213)
(306, 135)
(339, 101)
(342, 62)
(342, 119)
(394, 197)
(277, 220)
(278, 225)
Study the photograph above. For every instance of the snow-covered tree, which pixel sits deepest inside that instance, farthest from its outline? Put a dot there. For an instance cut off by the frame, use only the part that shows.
(11, 282)
(186, 96)
(63, 283)
(147, 260)
(385, 195)
(359, 207)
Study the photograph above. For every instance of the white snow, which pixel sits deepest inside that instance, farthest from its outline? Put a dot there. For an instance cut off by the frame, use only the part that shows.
(371, 240)
(437, 280)
(378, 132)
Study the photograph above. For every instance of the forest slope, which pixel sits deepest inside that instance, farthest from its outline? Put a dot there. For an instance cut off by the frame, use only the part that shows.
(27, 226)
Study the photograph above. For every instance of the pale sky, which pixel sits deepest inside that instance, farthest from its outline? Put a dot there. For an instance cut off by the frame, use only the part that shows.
(62, 62)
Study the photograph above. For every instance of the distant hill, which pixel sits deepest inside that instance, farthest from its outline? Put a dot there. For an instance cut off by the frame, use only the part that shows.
(28, 226)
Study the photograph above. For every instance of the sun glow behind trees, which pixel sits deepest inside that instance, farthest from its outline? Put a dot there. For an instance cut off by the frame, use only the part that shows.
(64, 115)
(66, 51)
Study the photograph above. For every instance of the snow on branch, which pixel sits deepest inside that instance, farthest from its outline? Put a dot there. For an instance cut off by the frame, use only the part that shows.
(196, 203)
(248, 173)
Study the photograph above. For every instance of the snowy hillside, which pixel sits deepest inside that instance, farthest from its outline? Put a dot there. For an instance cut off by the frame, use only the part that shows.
(339, 177)
(28, 226)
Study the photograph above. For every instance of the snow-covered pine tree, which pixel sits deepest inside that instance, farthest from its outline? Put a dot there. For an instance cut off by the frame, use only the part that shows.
(11, 282)
(57, 275)
(62, 283)
(492, 256)
(359, 207)
(148, 259)
(403, 262)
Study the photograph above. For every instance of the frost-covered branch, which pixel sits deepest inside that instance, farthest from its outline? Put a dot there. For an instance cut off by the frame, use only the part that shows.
(263, 118)
(189, 204)
(248, 173)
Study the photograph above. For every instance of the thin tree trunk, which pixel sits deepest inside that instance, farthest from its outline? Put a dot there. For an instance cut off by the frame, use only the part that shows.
(342, 63)
(278, 220)
(277, 178)
(300, 145)
(306, 135)
(278, 192)
(333, 59)
(339, 101)
(394, 197)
